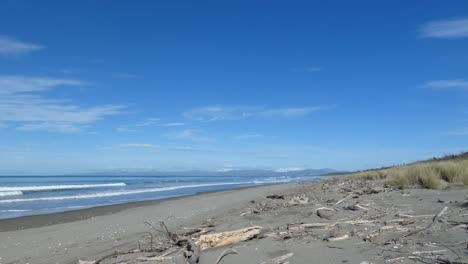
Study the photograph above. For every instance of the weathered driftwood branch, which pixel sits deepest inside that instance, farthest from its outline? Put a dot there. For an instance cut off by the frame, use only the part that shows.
(437, 216)
(337, 238)
(227, 238)
(344, 199)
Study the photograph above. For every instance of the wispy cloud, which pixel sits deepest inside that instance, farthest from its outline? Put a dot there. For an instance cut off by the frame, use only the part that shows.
(249, 136)
(445, 29)
(220, 112)
(24, 103)
(150, 146)
(137, 145)
(12, 47)
(173, 124)
(189, 134)
(448, 84)
(148, 122)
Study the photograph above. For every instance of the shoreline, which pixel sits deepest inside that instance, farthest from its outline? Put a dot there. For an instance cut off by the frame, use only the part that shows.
(50, 219)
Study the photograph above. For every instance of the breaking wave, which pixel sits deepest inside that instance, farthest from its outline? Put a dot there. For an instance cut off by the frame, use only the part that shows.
(58, 187)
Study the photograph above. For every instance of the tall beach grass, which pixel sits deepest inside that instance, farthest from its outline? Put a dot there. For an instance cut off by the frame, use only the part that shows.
(430, 174)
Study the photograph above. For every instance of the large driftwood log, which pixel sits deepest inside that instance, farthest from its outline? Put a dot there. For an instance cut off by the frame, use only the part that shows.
(227, 238)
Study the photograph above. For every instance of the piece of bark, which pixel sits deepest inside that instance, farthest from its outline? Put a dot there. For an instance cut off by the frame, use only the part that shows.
(227, 238)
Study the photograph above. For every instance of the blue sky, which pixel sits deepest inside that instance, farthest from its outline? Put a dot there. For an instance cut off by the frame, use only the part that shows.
(98, 85)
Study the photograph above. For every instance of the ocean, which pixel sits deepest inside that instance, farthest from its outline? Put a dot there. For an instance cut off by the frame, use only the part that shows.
(34, 195)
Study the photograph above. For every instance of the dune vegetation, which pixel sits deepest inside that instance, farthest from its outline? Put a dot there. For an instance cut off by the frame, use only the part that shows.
(433, 174)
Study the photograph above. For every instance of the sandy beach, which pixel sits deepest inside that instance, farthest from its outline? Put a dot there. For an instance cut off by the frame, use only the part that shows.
(371, 225)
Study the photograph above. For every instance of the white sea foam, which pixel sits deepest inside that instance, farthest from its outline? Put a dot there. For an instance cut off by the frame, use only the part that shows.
(10, 193)
(14, 210)
(58, 187)
(118, 193)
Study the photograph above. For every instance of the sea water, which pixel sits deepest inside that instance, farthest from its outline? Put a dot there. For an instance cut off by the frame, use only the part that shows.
(33, 195)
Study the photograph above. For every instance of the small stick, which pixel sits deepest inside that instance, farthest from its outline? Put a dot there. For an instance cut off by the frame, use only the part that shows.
(344, 199)
(428, 252)
(433, 221)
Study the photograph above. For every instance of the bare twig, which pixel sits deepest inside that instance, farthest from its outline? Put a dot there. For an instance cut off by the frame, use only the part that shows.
(344, 199)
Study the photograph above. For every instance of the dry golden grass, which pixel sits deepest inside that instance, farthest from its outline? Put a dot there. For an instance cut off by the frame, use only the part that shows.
(431, 175)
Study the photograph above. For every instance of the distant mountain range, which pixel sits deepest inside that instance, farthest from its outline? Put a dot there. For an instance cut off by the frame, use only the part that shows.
(252, 172)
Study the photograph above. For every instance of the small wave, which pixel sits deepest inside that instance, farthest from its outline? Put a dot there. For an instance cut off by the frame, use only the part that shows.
(58, 187)
(269, 181)
(14, 210)
(10, 193)
(118, 193)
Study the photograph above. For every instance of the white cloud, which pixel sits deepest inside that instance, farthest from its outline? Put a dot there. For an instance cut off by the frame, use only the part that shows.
(149, 146)
(49, 127)
(189, 134)
(446, 29)
(149, 122)
(446, 84)
(137, 145)
(12, 84)
(24, 103)
(146, 123)
(220, 112)
(12, 47)
(172, 124)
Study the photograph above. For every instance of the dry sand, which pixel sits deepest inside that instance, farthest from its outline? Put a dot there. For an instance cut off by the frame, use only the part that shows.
(379, 237)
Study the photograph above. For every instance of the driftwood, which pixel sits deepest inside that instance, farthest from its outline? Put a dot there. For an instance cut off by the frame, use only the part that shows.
(337, 238)
(227, 238)
(437, 216)
(356, 207)
(279, 260)
(344, 199)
